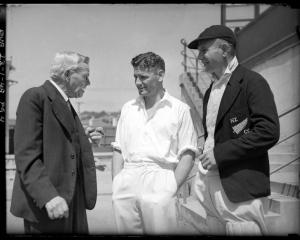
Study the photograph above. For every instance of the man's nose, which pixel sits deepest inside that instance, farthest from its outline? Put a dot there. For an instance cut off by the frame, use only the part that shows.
(87, 82)
(138, 81)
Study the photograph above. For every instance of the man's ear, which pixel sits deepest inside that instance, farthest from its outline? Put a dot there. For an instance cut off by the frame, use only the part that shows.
(67, 74)
(161, 74)
(226, 49)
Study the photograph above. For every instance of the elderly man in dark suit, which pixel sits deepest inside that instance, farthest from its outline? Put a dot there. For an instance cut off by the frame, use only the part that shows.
(240, 123)
(55, 171)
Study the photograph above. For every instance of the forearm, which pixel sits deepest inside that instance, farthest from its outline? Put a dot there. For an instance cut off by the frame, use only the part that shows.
(184, 167)
(117, 163)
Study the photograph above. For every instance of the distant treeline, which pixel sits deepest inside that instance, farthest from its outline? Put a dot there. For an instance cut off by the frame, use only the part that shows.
(90, 114)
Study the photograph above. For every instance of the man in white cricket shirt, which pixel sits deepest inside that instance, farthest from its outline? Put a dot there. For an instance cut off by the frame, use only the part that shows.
(154, 151)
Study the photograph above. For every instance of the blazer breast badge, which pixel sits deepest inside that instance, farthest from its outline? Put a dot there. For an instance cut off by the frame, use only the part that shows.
(240, 126)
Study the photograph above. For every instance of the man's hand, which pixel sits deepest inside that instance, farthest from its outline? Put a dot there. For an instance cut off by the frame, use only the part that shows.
(57, 208)
(94, 134)
(208, 160)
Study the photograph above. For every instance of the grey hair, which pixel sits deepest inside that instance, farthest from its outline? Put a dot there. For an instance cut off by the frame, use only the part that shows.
(66, 61)
(228, 45)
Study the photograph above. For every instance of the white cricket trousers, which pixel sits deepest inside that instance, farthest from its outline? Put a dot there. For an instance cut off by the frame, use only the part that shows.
(223, 216)
(143, 197)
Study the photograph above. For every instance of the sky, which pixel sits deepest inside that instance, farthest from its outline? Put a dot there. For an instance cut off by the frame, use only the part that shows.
(111, 35)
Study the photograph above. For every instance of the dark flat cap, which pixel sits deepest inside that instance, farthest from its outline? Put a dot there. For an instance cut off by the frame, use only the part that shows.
(213, 32)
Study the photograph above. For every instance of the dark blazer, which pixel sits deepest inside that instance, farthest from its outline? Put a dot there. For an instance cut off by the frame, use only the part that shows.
(247, 126)
(45, 154)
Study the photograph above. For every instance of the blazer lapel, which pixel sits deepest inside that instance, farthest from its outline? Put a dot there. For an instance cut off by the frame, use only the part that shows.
(205, 102)
(231, 92)
(60, 107)
(63, 114)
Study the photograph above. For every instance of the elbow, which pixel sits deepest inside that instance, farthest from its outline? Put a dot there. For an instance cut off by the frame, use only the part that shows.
(276, 131)
(274, 134)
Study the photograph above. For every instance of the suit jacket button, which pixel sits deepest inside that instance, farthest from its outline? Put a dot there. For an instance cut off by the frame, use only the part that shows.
(73, 173)
(72, 156)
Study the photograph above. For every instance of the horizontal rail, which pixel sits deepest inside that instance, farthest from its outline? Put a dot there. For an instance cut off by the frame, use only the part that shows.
(279, 142)
(288, 111)
(239, 20)
(287, 138)
(266, 49)
(284, 165)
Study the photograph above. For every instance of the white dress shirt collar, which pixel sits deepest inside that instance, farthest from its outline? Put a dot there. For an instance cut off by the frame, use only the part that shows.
(166, 97)
(64, 95)
(232, 65)
(224, 79)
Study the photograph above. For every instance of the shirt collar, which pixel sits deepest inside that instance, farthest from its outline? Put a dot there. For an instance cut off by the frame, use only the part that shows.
(231, 66)
(166, 97)
(224, 79)
(60, 90)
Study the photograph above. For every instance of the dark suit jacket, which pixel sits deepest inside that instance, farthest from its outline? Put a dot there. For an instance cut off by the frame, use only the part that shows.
(247, 126)
(45, 154)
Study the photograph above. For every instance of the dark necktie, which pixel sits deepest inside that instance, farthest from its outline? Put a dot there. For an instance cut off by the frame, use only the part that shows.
(70, 108)
(69, 105)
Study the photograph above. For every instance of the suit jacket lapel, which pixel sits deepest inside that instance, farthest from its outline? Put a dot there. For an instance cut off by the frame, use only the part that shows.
(231, 92)
(60, 107)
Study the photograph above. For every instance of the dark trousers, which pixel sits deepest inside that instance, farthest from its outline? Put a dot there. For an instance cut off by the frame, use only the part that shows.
(76, 223)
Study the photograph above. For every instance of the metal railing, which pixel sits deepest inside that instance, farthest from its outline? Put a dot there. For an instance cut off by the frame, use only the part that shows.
(287, 138)
(284, 165)
(193, 60)
(195, 85)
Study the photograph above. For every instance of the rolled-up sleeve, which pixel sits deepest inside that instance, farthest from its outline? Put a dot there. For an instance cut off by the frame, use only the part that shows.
(187, 137)
(117, 143)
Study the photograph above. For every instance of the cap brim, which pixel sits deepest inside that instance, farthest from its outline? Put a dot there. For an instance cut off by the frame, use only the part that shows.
(194, 44)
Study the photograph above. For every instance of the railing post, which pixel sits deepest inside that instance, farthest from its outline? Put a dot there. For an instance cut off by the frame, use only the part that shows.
(197, 73)
(184, 55)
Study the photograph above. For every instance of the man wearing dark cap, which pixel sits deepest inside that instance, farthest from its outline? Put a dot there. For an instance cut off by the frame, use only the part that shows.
(154, 152)
(240, 124)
